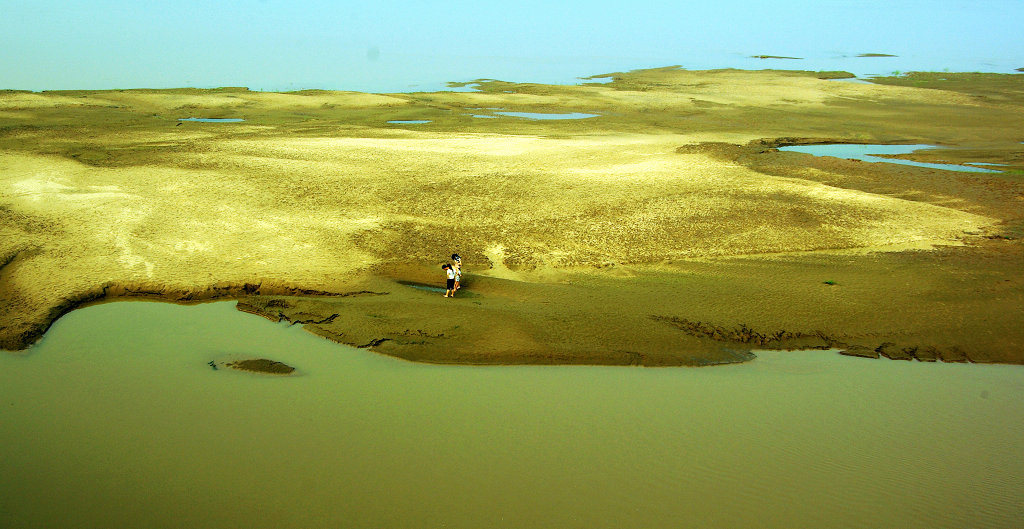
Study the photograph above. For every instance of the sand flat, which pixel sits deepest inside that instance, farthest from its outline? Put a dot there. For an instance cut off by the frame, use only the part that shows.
(115, 200)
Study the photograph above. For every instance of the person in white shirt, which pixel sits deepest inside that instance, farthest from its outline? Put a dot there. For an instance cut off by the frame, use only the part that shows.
(450, 293)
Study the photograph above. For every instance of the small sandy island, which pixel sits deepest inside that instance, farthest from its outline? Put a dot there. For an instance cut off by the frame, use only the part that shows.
(668, 229)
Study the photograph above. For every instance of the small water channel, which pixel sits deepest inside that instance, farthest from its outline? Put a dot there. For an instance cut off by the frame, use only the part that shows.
(116, 419)
(865, 152)
(536, 115)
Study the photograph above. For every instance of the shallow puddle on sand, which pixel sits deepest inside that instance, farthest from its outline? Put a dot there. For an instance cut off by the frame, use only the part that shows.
(115, 419)
(862, 152)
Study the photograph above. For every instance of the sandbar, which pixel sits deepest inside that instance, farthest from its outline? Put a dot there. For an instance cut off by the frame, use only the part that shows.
(668, 230)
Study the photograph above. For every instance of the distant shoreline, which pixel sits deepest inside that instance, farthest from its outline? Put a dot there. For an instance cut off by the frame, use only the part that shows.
(862, 65)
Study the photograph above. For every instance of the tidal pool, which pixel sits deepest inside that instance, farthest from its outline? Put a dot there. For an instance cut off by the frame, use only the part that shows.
(863, 152)
(116, 419)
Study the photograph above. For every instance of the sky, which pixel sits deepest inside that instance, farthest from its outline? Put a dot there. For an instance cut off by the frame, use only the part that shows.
(393, 46)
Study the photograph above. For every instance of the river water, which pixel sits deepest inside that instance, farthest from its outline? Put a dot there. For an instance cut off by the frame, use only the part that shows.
(115, 419)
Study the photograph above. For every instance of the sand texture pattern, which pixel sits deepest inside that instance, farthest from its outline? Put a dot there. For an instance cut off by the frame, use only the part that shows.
(667, 230)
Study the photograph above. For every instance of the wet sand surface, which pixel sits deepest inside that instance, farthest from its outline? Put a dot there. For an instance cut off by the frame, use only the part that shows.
(668, 230)
(116, 419)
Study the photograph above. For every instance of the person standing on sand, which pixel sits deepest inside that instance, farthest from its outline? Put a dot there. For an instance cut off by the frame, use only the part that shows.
(458, 270)
(450, 293)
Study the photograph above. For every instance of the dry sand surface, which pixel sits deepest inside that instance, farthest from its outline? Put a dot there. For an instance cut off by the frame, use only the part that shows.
(669, 230)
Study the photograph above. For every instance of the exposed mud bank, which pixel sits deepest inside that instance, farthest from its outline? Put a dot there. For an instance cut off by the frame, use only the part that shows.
(850, 346)
(500, 322)
(895, 306)
(589, 318)
(261, 365)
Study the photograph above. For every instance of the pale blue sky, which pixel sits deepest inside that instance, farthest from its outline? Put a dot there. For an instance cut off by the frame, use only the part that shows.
(392, 46)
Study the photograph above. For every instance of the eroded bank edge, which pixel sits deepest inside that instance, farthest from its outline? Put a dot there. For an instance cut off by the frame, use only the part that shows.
(739, 339)
(116, 291)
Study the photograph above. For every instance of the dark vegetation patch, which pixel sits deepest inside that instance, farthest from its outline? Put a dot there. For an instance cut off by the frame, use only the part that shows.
(262, 365)
(995, 86)
(745, 335)
(835, 74)
(783, 339)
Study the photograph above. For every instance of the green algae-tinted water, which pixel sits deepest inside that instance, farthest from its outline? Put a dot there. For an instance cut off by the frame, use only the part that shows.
(116, 420)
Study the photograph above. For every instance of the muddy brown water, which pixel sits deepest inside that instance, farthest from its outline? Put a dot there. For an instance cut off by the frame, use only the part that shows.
(116, 419)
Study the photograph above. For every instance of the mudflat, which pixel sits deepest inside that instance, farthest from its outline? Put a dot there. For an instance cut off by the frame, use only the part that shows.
(667, 230)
